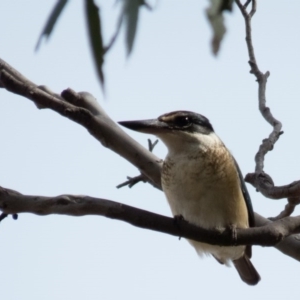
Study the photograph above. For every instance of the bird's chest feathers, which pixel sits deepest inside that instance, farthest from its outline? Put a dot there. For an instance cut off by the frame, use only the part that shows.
(204, 188)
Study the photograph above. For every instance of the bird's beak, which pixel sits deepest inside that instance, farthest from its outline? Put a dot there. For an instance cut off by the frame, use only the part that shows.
(153, 126)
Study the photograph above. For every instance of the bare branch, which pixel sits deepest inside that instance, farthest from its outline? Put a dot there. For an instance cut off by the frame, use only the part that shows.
(12, 202)
(132, 181)
(84, 100)
(253, 9)
(247, 3)
(89, 115)
(289, 208)
(264, 183)
(151, 145)
(290, 246)
(268, 143)
(17, 75)
(81, 109)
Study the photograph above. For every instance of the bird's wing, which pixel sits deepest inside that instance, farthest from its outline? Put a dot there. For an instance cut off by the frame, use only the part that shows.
(246, 196)
(248, 204)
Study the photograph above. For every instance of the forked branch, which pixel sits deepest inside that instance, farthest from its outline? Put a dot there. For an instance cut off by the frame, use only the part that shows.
(260, 180)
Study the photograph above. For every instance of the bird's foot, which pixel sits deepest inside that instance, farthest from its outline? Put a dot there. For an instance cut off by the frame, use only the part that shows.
(233, 231)
(177, 220)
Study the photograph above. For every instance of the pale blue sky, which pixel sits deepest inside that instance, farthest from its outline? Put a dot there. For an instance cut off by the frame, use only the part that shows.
(60, 257)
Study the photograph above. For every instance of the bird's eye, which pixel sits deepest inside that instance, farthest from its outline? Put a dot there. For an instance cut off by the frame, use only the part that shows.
(182, 121)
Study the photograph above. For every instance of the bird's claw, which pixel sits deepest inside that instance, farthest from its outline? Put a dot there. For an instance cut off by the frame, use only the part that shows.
(233, 231)
(177, 220)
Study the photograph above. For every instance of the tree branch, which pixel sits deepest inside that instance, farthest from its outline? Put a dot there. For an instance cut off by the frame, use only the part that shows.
(264, 183)
(131, 181)
(12, 202)
(261, 78)
(260, 180)
(83, 109)
(290, 246)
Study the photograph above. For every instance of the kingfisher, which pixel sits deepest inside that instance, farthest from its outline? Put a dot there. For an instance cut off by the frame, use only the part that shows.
(203, 183)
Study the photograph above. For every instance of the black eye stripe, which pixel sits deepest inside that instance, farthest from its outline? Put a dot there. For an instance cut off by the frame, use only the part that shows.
(185, 120)
(182, 121)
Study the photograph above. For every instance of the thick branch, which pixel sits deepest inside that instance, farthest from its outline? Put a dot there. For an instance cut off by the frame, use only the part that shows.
(289, 246)
(90, 116)
(12, 202)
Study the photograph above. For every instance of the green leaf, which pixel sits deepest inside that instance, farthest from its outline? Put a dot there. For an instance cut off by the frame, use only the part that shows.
(56, 12)
(95, 37)
(215, 16)
(130, 14)
(226, 5)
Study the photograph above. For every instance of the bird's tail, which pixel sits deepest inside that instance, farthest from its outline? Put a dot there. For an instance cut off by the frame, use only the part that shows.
(246, 270)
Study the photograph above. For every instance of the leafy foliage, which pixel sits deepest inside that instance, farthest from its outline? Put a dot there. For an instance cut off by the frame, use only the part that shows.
(128, 18)
(56, 12)
(95, 36)
(215, 16)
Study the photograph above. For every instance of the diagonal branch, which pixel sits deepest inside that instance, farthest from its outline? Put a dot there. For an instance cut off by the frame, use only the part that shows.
(90, 116)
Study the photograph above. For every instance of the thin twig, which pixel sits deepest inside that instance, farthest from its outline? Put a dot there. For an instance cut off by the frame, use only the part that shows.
(289, 208)
(132, 181)
(151, 145)
(247, 3)
(253, 9)
(269, 142)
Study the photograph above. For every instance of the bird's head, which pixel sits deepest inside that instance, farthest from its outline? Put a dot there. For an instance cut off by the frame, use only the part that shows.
(178, 129)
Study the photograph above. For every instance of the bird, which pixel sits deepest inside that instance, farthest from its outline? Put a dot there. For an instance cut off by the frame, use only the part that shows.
(203, 183)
